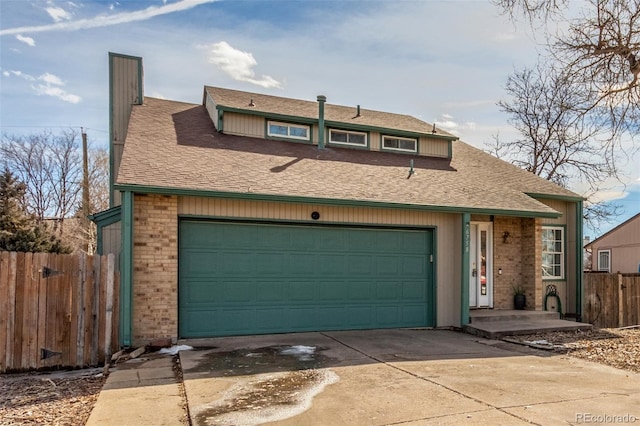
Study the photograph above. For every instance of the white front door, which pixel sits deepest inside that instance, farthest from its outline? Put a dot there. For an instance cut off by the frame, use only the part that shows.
(481, 265)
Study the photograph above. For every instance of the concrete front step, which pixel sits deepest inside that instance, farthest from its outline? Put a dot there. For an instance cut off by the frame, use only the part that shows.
(477, 316)
(497, 329)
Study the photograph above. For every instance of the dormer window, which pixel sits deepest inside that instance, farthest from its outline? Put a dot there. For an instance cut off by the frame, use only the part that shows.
(278, 129)
(344, 137)
(395, 143)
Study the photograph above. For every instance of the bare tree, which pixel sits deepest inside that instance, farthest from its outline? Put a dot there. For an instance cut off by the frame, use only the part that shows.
(532, 10)
(599, 52)
(51, 167)
(556, 141)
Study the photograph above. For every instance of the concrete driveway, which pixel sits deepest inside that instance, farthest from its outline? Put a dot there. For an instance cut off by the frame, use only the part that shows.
(383, 377)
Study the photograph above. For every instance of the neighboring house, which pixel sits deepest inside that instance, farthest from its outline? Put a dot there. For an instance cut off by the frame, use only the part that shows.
(618, 250)
(251, 213)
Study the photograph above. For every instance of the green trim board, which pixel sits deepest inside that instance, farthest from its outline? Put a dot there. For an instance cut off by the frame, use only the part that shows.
(240, 278)
(106, 217)
(331, 123)
(144, 189)
(102, 220)
(464, 269)
(555, 197)
(126, 274)
(579, 258)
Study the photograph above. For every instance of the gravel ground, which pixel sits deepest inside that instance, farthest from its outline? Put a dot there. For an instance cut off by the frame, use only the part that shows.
(59, 398)
(618, 348)
(67, 398)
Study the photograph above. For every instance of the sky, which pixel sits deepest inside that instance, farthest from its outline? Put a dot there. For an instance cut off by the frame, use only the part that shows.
(443, 61)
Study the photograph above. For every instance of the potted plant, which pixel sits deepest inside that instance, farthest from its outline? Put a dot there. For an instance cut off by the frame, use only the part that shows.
(519, 297)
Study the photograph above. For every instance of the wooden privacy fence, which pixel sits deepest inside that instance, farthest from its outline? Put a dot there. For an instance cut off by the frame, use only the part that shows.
(57, 310)
(611, 300)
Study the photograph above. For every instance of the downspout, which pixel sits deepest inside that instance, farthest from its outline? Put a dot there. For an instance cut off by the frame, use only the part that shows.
(580, 259)
(321, 100)
(464, 282)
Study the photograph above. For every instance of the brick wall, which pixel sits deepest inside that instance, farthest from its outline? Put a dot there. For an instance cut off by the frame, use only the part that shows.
(532, 262)
(506, 256)
(155, 268)
(520, 260)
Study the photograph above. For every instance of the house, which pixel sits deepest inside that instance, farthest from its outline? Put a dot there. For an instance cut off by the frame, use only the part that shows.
(617, 250)
(252, 213)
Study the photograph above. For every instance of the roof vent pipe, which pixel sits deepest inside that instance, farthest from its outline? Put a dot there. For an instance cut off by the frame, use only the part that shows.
(321, 100)
(358, 111)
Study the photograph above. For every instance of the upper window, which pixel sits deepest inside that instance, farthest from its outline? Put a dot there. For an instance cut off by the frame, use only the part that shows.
(400, 144)
(347, 138)
(552, 252)
(288, 130)
(604, 260)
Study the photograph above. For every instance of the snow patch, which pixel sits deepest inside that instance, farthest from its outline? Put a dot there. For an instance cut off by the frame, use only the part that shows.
(173, 350)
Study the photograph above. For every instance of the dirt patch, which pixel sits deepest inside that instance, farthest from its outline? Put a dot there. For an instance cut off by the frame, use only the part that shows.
(618, 348)
(49, 398)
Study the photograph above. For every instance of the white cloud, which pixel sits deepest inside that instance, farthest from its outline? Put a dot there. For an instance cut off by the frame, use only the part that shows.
(107, 20)
(47, 84)
(610, 195)
(239, 65)
(26, 40)
(58, 14)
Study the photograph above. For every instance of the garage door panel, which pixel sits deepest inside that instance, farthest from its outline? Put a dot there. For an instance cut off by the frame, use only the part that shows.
(414, 265)
(255, 278)
(200, 262)
(413, 290)
(270, 291)
(301, 291)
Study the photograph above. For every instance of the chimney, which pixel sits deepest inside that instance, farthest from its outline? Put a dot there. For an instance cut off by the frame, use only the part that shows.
(321, 100)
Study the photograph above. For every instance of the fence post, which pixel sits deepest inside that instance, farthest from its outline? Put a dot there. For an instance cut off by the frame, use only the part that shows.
(620, 302)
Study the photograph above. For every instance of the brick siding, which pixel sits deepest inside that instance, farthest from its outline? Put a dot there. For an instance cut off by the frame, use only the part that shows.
(155, 268)
(520, 260)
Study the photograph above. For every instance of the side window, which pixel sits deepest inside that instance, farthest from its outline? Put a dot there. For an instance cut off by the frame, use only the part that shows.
(343, 137)
(604, 260)
(399, 144)
(552, 252)
(288, 130)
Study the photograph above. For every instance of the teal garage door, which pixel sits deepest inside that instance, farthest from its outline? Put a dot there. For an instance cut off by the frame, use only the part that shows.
(246, 278)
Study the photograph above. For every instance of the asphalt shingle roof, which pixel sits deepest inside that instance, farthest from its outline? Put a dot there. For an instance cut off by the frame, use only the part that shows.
(175, 145)
(308, 109)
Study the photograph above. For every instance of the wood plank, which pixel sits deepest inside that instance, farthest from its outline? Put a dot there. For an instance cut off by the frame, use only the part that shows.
(73, 278)
(102, 308)
(19, 312)
(95, 310)
(79, 306)
(30, 330)
(5, 264)
(53, 293)
(108, 318)
(40, 260)
(67, 313)
(88, 310)
(115, 339)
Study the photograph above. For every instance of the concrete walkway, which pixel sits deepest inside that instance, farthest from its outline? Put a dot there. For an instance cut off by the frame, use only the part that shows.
(141, 391)
(377, 377)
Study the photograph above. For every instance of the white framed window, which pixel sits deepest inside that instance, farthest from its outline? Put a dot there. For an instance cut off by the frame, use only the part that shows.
(345, 137)
(400, 144)
(604, 260)
(552, 252)
(288, 130)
